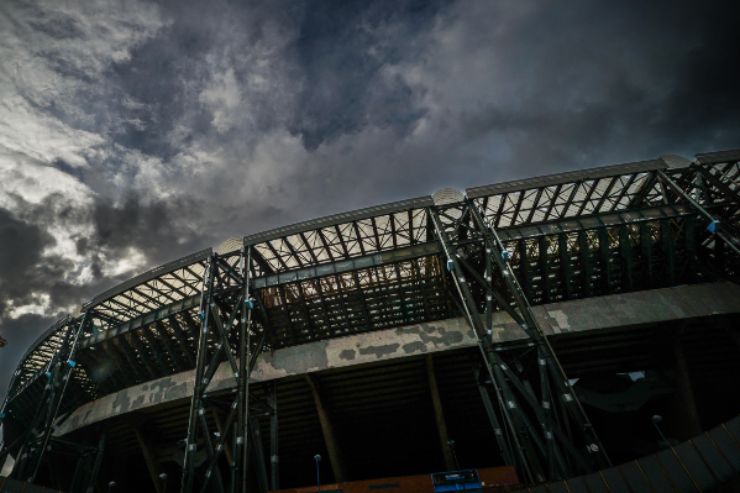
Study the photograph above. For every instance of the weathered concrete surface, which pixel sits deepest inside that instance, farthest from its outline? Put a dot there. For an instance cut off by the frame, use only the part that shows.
(296, 360)
(598, 313)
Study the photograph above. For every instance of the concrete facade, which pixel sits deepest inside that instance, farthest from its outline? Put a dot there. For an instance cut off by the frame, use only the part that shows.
(598, 313)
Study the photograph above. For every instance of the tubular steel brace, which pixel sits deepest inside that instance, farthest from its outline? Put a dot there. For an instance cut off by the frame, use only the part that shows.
(36, 440)
(545, 431)
(226, 332)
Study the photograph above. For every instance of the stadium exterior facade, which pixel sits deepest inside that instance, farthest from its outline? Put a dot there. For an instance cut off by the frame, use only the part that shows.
(578, 330)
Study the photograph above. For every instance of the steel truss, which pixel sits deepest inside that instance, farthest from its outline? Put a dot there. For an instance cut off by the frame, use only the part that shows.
(228, 332)
(541, 427)
(37, 439)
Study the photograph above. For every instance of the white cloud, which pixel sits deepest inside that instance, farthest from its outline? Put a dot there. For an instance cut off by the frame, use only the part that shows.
(131, 261)
(39, 305)
(32, 180)
(223, 98)
(53, 56)
(52, 53)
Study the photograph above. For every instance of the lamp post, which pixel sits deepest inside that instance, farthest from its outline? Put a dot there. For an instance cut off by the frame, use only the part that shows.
(451, 443)
(317, 460)
(163, 478)
(656, 419)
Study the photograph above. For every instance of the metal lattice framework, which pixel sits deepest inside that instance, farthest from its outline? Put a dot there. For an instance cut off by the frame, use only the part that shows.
(559, 445)
(499, 247)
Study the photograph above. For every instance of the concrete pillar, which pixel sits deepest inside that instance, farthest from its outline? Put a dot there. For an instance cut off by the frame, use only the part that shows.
(93, 479)
(439, 416)
(335, 457)
(689, 422)
(151, 461)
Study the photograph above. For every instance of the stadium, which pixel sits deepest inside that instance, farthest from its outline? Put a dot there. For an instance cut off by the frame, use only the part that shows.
(572, 332)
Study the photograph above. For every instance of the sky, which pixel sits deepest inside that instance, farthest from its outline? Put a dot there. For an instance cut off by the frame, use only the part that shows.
(132, 133)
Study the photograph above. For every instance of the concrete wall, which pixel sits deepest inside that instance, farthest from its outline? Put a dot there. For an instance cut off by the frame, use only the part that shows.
(598, 313)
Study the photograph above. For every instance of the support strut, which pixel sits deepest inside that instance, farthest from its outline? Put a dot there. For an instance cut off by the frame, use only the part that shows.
(715, 225)
(227, 334)
(544, 431)
(58, 374)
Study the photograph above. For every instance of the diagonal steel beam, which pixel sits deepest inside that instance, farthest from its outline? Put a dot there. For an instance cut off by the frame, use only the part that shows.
(541, 449)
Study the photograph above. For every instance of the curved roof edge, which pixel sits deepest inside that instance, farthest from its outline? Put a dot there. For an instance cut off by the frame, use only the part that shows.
(145, 276)
(567, 176)
(332, 219)
(403, 205)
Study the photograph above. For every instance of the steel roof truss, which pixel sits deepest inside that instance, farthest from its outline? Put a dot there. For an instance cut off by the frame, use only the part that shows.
(180, 335)
(140, 353)
(176, 354)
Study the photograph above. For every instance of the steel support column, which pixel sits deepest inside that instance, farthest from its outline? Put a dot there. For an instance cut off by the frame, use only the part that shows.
(227, 332)
(258, 455)
(274, 455)
(546, 432)
(219, 421)
(503, 445)
(58, 374)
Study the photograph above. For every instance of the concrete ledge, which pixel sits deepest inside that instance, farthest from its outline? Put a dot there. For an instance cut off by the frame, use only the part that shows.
(598, 313)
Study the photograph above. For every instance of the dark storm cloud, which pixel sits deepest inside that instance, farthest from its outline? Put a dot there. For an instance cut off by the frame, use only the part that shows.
(341, 51)
(603, 82)
(335, 55)
(164, 75)
(171, 126)
(27, 271)
(705, 102)
(20, 255)
(145, 225)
